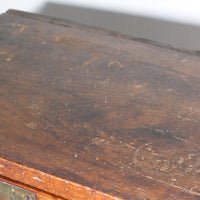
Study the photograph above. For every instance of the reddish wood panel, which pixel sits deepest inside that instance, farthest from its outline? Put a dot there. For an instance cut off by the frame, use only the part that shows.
(103, 111)
(48, 183)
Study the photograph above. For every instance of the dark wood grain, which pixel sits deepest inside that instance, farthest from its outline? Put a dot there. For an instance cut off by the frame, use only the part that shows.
(117, 115)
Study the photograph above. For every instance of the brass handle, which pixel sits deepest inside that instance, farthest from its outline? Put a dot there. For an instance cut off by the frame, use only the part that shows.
(3, 196)
(10, 192)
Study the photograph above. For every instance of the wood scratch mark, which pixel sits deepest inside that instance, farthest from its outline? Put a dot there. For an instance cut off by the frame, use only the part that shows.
(31, 125)
(10, 57)
(172, 185)
(38, 38)
(136, 154)
(115, 62)
(21, 29)
(61, 38)
(87, 62)
(70, 42)
(180, 139)
(38, 179)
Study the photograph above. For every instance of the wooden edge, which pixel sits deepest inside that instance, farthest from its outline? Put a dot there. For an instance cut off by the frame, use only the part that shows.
(68, 23)
(49, 183)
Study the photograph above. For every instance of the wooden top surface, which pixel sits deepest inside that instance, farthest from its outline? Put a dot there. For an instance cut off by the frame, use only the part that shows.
(118, 115)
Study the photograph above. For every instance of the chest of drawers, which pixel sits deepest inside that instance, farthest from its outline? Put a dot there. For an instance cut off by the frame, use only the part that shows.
(86, 114)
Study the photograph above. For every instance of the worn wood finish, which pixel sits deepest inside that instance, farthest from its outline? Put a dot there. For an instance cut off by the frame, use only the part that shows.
(97, 111)
(49, 184)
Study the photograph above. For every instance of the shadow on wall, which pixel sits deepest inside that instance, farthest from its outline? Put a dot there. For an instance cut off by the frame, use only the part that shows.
(174, 34)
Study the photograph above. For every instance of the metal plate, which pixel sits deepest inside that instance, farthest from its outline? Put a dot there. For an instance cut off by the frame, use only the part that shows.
(11, 192)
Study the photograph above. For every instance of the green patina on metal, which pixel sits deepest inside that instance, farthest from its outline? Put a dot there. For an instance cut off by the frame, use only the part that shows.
(11, 192)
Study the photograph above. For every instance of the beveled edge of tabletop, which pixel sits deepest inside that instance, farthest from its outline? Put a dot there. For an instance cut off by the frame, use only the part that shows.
(69, 23)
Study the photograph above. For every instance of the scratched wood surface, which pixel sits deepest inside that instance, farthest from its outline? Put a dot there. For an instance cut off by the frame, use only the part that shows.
(116, 115)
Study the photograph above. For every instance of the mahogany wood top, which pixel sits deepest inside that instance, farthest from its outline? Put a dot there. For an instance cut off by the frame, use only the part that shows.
(117, 115)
